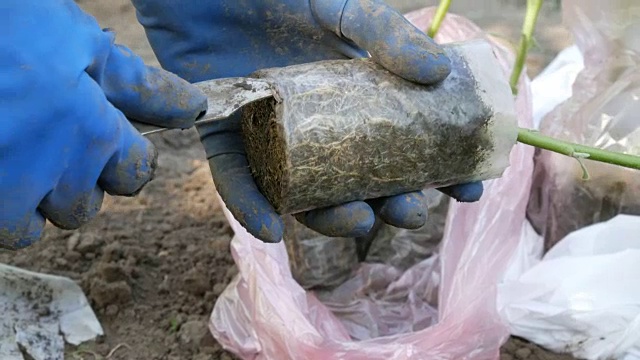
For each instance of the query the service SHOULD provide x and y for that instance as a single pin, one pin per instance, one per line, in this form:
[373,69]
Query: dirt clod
[194,333]
[88,243]
[518,349]
[73,241]
[196,282]
[112,310]
[523,353]
[112,272]
[103,294]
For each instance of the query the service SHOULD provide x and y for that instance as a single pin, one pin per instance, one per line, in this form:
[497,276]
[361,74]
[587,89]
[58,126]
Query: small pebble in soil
[209,350]
[73,241]
[165,227]
[104,294]
[195,282]
[523,353]
[112,272]
[73,256]
[194,333]
[219,288]
[112,310]
[112,252]
[89,243]
[61,262]
[232,271]
[164,288]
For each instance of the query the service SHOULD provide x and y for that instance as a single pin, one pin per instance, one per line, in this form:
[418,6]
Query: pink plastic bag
[265,314]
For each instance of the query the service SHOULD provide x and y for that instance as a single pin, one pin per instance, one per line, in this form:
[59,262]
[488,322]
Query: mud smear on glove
[347,130]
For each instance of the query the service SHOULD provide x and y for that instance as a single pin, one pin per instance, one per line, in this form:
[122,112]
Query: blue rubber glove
[201,40]
[65,89]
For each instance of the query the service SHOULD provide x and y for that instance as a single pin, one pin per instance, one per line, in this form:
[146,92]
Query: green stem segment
[441,12]
[526,41]
[535,138]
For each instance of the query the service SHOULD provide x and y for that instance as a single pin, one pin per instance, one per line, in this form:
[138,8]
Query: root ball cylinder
[346,130]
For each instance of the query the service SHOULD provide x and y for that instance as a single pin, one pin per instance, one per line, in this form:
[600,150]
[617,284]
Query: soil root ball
[345,130]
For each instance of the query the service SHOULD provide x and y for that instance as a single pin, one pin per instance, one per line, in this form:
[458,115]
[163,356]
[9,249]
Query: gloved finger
[68,208]
[470,192]
[407,211]
[240,194]
[16,234]
[117,159]
[352,219]
[143,93]
[391,39]
[132,166]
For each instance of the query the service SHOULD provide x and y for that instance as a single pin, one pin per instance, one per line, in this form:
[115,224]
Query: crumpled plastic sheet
[593,309]
[452,313]
[39,313]
[602,112]
[554,85]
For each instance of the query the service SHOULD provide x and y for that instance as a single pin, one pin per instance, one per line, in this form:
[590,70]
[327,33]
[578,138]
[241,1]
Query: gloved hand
[201,40]
[65,89]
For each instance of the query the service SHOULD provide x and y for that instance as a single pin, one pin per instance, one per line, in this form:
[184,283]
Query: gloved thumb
[392,40]
[146,94]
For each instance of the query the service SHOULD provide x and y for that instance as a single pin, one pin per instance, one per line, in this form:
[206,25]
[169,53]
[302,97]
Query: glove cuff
[329,14]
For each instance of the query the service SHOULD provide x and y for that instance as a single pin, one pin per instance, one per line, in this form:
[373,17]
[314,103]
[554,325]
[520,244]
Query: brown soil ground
[153,266]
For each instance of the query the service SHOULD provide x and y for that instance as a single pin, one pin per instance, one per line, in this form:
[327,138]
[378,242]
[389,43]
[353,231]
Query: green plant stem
[526,41]
[441,12]
[535,138]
